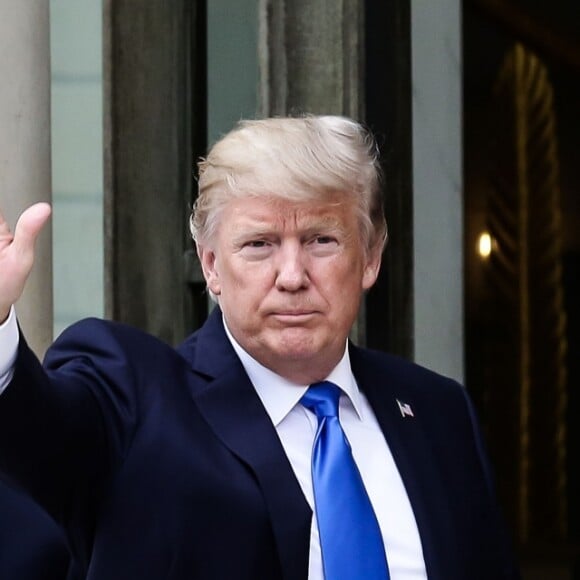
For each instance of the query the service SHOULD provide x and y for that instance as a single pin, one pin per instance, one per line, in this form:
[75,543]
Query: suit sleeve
[31,545]
[64,427]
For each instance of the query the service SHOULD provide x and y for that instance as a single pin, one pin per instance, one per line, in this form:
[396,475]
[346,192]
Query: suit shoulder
[89,328]
[95,337]
[396,364]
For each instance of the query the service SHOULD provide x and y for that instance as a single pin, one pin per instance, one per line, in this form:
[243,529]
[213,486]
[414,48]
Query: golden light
[484,245]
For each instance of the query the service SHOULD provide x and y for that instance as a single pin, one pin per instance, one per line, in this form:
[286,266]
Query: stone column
[150,117]
[25,146]
[310,57]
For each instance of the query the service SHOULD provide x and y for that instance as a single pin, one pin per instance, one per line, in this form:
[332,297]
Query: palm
[17,253]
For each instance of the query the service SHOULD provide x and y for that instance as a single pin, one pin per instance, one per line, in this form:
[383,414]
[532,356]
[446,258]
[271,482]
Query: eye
[256,249]
[256,244]
[323,244]
[324,240]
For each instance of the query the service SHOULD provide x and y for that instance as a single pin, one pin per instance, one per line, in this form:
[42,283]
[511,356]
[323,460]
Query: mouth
[294,316]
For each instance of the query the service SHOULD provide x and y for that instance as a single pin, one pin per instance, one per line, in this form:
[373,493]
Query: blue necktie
[350,538]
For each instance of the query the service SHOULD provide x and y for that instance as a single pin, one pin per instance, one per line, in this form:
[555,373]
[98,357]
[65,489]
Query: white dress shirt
[296,427]
[8,348]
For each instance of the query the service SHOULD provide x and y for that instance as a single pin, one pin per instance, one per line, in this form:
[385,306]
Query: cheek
[245,285]
[255,277]
[342,276]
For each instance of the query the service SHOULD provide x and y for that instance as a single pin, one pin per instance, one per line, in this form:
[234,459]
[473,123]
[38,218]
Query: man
[227,458]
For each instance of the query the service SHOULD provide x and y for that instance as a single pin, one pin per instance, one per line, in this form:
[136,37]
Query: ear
[372,267]
[207,259]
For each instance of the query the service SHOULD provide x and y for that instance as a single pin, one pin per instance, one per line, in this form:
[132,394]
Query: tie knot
[322,399]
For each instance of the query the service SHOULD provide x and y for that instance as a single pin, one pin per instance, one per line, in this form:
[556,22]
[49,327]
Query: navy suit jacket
[163,463]
[31,545]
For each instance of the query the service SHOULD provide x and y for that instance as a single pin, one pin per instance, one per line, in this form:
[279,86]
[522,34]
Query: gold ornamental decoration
[525,295]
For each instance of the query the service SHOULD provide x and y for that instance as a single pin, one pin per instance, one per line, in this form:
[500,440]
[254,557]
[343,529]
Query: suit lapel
[234,411]
[411,449]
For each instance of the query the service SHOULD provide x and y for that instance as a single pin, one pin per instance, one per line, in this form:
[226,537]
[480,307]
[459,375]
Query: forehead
[276,213]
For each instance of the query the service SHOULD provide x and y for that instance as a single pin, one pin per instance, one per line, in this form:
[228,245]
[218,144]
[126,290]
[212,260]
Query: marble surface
[25,147]
[77,160]
[437,184]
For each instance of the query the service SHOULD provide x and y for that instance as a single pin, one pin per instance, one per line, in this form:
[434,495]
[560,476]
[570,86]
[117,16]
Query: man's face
[289,278]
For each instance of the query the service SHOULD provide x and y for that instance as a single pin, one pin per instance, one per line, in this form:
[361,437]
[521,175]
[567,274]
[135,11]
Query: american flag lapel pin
[405,409]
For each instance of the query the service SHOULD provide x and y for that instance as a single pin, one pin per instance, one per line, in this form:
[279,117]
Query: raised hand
[17,254]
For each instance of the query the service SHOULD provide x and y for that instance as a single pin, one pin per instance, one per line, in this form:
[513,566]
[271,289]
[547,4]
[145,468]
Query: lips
[294,316]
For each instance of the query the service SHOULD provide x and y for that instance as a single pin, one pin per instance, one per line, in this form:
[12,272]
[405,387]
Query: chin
[299,346]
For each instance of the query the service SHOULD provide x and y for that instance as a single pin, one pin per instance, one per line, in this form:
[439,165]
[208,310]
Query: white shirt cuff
[9,337]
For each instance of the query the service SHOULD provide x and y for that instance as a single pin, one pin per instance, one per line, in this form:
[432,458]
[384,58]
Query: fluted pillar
[25,175]
[310,57]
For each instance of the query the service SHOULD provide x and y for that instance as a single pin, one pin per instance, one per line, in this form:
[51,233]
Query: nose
[292,271]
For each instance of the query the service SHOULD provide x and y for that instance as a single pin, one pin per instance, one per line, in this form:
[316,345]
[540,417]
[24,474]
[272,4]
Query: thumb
[28,227]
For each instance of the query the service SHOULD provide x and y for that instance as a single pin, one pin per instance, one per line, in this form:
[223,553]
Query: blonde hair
[298,159]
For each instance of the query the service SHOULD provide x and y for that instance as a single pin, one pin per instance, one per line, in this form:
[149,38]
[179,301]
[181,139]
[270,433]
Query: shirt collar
[279,396]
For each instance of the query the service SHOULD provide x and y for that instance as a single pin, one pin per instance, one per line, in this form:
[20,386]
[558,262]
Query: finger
[28,227]
[4,227]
